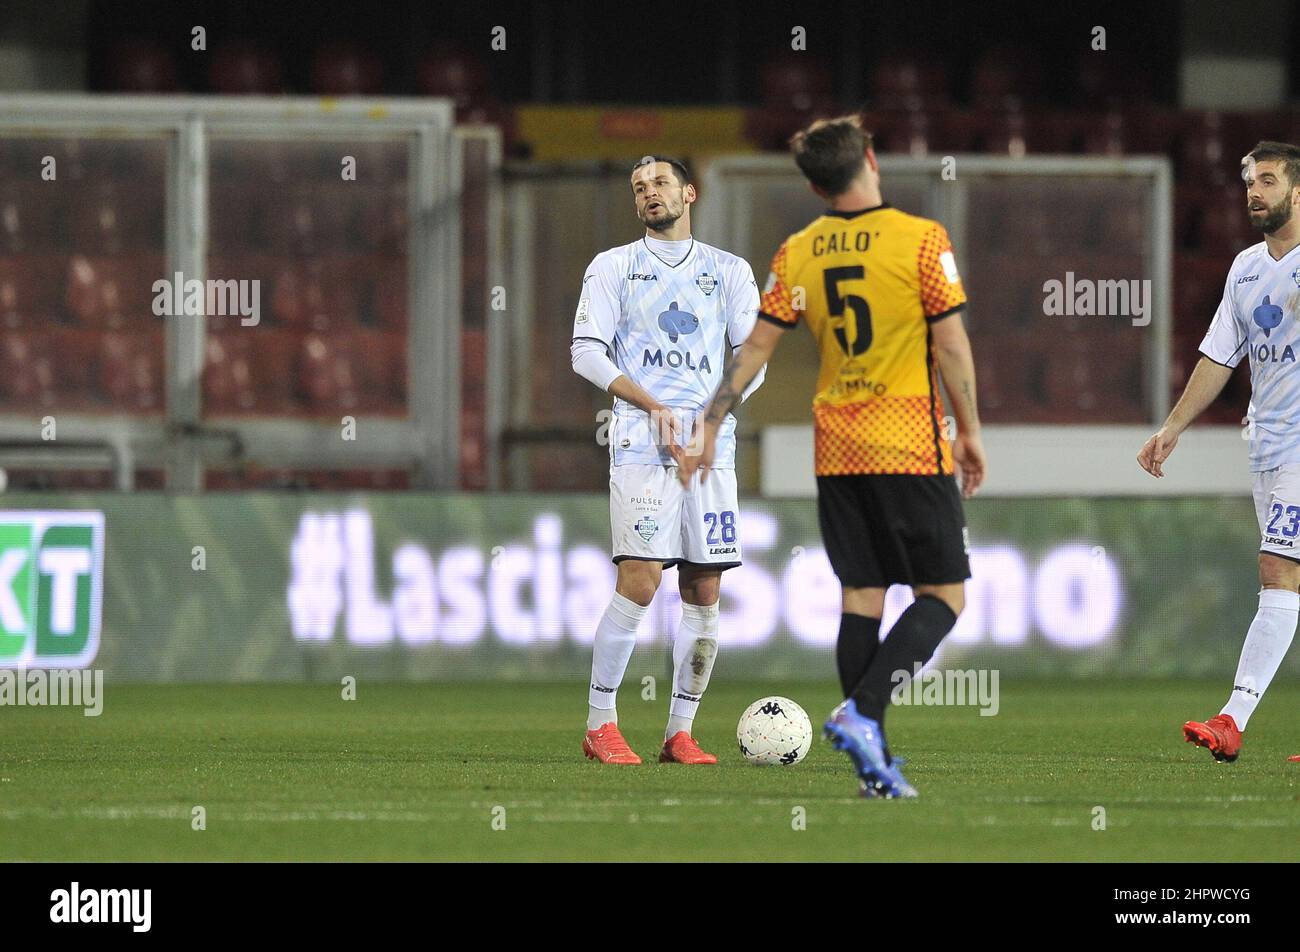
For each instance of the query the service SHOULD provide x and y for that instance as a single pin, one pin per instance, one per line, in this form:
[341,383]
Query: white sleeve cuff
[591,360]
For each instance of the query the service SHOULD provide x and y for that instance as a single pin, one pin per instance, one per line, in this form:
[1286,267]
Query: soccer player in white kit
[1257,317]
[654,323]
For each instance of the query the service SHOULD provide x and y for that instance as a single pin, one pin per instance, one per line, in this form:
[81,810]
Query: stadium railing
[346,213]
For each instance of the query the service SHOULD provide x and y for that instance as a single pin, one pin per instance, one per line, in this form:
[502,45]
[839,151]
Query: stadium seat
[381,355]
[27,377]
[1109,80]
[242,67]
[1198,288]
[228,382]
[30,217]
[130,371]
[1218,221]
[908,82]
[30,290]
[139,65]
[327,378]
[1006,79]
[309,221]
[382,222]
[346,69]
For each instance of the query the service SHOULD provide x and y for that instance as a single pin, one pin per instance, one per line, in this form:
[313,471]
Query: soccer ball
[774,730]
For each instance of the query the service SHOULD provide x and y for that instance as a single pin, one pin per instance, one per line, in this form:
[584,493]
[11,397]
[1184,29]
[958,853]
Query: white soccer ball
[774,730]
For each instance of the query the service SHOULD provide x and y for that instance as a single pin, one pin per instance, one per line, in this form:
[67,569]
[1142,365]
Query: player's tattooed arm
[957,367]
[749,359]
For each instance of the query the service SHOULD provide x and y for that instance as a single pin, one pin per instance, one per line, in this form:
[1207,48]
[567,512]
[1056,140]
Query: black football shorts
[893,529]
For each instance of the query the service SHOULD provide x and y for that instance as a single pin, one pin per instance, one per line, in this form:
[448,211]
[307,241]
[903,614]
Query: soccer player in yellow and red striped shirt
[880,292]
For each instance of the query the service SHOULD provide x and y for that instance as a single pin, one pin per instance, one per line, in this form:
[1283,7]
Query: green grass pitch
[418,772]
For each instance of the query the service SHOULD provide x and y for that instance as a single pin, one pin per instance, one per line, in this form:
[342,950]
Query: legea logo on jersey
[51,588]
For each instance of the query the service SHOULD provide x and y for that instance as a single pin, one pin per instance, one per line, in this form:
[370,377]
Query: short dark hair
[1287,154]
[680,170]
[830,152]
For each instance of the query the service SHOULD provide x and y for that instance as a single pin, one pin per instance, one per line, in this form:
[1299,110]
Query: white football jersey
[1257,317]
[668,328]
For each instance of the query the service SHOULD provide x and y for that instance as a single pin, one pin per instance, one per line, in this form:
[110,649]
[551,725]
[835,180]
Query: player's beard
[1275,217]
[664,220]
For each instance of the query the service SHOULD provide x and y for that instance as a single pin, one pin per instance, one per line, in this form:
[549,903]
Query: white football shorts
[1277,506]
[654,518]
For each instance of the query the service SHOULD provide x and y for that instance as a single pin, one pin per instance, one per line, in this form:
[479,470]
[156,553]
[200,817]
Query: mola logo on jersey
[1267,317]
[677,324]
[51,587]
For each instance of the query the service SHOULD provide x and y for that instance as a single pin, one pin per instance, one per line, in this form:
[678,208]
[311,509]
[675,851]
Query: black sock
[911,641]
[854,648]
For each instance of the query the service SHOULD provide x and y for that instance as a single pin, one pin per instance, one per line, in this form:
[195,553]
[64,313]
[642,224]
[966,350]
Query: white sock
[694,650]
[1267,640]
[615,639]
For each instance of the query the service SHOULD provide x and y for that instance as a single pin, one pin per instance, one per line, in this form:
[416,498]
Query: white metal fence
[240,188]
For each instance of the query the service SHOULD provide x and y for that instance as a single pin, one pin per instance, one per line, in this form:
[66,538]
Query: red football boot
[682,749]
[1219,734]
[607,745]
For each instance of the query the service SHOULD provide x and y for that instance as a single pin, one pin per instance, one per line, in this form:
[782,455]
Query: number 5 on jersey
[853,329]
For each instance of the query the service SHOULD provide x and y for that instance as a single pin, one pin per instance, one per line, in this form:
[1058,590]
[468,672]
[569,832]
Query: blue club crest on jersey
[1295,276]
[706,282]
[1267,316]
[676,323]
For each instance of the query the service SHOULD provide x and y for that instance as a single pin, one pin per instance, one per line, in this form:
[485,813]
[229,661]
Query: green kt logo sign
[51,587]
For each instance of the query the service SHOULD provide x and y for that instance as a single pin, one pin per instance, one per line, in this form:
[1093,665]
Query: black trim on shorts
[935,318]
[711,565]
[667,563]
[1289,558]
[775,320]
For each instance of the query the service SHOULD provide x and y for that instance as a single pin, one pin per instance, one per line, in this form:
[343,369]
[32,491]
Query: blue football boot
[860,738]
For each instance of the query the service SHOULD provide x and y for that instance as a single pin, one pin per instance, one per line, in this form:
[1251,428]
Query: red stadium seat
[1006,79]
[346,69]
[31,217]
[327,380]
[382,356]
[228,382]
[1220,225]
[241,67]
[455,74]
[137,65]
[908,82]
[30,290]
[27,378]
[130,371]
[305,223]
[383,222]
